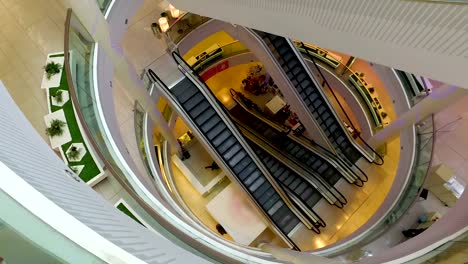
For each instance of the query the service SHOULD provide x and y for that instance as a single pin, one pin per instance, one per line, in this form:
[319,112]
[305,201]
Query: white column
[433,103]
[93,20]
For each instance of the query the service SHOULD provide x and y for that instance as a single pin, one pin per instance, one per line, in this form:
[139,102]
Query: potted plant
[58,96]
[55,128]
[52,68]
[74,169]
[74,153]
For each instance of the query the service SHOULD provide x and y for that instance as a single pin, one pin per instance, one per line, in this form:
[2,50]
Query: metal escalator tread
[291,225]
[307,90]
[231,151]
[284,219]
[215,130]
[200,109]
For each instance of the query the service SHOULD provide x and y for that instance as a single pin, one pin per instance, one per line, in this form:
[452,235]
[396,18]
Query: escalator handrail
[321,185]
[307,146]
[364,153]
[300,202]
[180,110]
[259,116]
[292,136]
[341,164]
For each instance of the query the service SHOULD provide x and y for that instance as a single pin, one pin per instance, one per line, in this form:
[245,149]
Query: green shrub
[55,128]
[73,153]
[58,96]
[74,169]
[52,68]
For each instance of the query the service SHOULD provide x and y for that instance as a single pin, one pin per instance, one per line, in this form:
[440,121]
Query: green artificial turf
[125,210]
[90,169]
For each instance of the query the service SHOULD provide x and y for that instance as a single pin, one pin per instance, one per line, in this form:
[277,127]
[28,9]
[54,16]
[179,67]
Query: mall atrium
[233,131]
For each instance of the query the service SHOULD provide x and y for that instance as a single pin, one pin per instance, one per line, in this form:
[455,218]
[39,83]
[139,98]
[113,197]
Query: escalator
[327,174]
[302,193]
[209,122]
[310,92]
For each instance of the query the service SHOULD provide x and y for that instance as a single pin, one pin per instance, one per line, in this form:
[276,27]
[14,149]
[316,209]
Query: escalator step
[307,193]
[305,84]
[252,177]
[202,107]
[256,184]
[294,183]
[222,137]
[301,187]
[288,57]
[288,180]
[215,131]
[293,222]
[263,190]
[276,208]
[209,124]
[237,158]
[301,77]
[266,195]
[273,201]
[227,145]
[231,151]
[242,169]
[193,101]
[296,71]
[205,117]
[187,95]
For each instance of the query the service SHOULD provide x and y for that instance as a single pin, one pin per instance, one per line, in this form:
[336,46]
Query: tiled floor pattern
[29,30]
[143,49]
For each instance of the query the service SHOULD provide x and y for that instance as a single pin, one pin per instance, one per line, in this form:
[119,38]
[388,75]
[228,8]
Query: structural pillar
[439,99]
[93,20]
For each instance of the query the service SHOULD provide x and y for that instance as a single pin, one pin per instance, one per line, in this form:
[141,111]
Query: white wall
[429,39]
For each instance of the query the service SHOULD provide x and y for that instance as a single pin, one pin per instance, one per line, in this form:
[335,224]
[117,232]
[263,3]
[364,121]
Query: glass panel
[15,248]
[24,238]
[140,129]
[455,251]
[81,49]
[103,5]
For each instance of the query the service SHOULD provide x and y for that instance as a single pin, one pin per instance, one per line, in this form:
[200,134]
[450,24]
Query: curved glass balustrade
[24,238]
[454,251]
[104,5]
